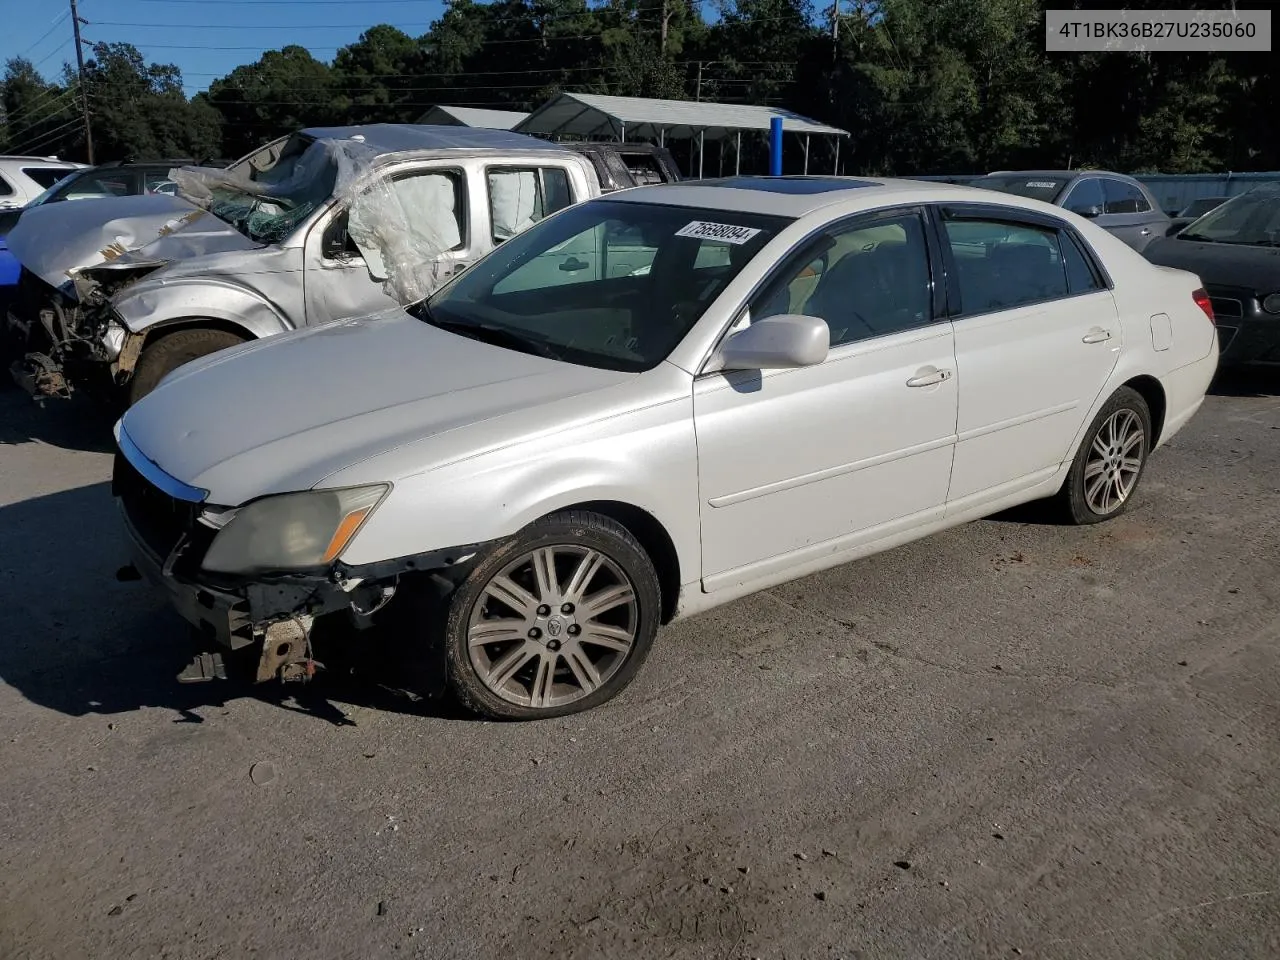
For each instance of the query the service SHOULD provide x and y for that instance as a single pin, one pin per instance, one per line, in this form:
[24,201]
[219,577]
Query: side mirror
[1089,212]
[781,342]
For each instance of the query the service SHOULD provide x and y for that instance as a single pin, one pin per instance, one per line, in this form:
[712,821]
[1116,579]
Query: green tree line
[923,86]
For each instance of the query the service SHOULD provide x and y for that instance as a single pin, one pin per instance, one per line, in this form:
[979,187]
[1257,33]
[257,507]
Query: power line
[262,26]
[58,21]
[201,46]
[56,50]
[321,3]
[17,133]
[45,139]
[44,102]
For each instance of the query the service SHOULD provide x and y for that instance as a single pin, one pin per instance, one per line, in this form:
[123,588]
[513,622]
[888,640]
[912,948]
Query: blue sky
[205,38]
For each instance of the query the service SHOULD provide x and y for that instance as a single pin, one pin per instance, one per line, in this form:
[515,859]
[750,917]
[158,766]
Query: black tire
[569,532]
[1073,499]
[171,351]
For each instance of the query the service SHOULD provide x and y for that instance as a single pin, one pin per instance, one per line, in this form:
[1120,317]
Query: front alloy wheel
[554,622]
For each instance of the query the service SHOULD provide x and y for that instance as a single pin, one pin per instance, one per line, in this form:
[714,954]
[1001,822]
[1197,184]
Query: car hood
[283,413]
[56,239]
[1224,264]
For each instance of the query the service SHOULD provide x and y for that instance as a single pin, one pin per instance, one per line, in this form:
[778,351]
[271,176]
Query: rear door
[1036,337]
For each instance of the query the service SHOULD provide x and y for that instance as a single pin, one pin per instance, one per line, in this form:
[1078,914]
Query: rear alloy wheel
[171,351]
[556,621]
[1110,461]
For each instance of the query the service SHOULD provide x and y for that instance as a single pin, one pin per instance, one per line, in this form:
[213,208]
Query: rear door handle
[928,377]
[1145,231]
[1097,335]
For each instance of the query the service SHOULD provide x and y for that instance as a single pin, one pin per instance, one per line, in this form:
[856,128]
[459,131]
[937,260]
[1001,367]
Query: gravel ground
[1010,739]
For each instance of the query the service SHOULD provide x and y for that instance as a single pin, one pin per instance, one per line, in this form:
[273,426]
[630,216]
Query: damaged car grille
[161,521]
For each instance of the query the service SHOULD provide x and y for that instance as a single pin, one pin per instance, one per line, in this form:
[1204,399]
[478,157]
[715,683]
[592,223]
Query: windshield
[1024,185]
[605,284]
[1198,208]
[266,201]
[1251,218]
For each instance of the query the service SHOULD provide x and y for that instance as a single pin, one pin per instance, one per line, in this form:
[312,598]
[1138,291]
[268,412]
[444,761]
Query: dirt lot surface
[1014,739]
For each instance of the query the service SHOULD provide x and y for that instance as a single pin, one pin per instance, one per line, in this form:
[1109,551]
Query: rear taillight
[1201,297]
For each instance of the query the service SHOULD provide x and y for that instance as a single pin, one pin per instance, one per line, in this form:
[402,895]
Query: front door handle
[928,377]
[1097,335]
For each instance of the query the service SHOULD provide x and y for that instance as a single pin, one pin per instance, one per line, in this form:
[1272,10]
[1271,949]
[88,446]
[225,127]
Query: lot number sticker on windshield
[1041,184]
[724,232]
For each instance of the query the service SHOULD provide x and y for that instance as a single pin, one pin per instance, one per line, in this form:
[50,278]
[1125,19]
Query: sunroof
[795,186]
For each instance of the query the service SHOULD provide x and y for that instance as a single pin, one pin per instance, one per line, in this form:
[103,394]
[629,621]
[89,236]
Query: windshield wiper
[1185,235]
[490,333]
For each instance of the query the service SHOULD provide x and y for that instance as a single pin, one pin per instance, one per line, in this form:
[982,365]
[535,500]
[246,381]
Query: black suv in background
[623,165]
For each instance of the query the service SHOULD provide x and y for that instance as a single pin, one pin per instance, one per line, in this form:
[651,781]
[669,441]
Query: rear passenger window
[1000,266]
[1123,197]
[520,197]
[1080,276]
[5,189]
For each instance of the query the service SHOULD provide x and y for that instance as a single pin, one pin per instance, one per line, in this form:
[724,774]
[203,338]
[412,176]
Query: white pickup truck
[322,225]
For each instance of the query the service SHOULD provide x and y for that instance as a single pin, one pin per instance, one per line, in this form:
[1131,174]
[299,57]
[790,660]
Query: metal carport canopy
[473,117]
[596,115]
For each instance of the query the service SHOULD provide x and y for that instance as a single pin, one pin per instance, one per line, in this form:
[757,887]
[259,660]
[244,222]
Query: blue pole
[775,147]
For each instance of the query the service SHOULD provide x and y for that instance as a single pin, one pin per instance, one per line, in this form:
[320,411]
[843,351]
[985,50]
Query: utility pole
[698,90]
[84,92]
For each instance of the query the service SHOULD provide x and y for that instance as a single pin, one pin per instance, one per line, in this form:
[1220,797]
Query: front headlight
[292,531]
[1271,304]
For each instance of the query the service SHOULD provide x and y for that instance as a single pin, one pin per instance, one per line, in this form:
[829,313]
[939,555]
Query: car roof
[1061,174]
[40,161]
[796,196]
[402,137]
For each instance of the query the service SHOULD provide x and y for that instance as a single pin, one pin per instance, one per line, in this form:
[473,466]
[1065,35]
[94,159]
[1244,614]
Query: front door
[795,464]
[1036,336]
[403,236]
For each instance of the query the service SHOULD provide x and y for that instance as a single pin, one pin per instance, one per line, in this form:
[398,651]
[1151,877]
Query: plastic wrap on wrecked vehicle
[402,226]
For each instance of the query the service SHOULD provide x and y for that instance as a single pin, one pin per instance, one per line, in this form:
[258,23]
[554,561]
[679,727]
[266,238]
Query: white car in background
[22,179]
[556,453]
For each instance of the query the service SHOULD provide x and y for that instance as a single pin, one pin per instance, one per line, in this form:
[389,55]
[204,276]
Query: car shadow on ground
[1246,382]
[80,636]
[83,422]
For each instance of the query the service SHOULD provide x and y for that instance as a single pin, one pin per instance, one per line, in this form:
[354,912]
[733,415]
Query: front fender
[646,460]
[148,305]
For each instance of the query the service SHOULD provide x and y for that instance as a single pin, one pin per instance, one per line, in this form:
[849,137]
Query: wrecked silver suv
[325,224]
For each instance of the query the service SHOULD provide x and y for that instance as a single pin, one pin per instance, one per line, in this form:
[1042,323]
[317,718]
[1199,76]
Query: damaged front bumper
[266,621]
[60,341]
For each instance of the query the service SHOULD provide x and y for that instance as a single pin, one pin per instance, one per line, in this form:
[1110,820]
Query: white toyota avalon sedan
[648,405]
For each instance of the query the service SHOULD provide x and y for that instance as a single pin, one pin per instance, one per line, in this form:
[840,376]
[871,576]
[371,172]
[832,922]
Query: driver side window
[865,280]
[416,215]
